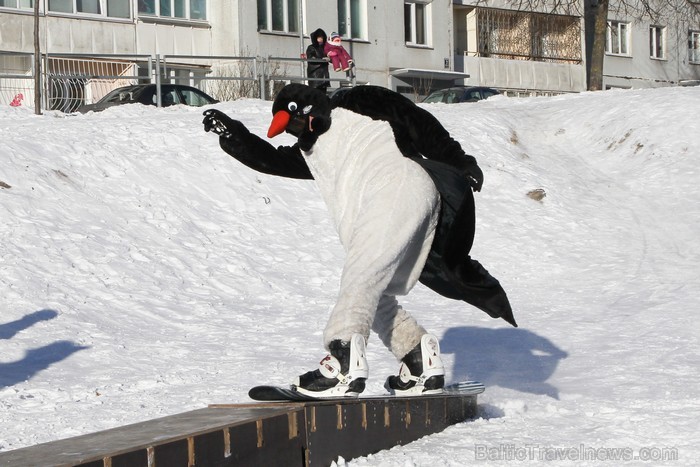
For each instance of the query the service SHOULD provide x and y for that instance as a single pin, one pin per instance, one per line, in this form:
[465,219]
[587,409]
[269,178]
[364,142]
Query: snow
[144,272]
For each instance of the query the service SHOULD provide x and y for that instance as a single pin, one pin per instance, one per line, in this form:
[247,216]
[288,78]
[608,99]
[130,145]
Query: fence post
[255,73]
[45,81]
[151,64]
[262,78]
[158,96]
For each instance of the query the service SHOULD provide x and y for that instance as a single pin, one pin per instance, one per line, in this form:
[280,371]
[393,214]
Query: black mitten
[218,122]
[473,172]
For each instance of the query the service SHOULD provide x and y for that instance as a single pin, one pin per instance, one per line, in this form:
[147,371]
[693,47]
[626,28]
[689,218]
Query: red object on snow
[17,101]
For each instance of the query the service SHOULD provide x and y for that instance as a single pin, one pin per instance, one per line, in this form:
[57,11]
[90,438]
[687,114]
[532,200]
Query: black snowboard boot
[421,371]
[341,374]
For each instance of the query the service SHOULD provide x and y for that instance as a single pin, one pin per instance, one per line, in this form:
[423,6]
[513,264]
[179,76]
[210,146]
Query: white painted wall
[525,75]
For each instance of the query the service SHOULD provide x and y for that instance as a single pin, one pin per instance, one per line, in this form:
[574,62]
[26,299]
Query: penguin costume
[399,189]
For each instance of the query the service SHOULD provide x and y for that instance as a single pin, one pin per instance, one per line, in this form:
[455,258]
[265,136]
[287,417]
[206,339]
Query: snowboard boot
[421,371]
[342,373]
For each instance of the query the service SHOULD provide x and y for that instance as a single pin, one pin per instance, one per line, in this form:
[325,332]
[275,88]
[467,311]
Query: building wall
[61,34]
[232,29]
[639,69]
[158,37]
[85,35]
[382,50]
[511,62]
[225,18]
[524,76]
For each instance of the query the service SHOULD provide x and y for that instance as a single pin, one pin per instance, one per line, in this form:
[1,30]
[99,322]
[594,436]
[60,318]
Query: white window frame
[102,14]
[350,26]
[694,47]
[657,34]
[427,23]
[286,16]
[188,9]
[622,36]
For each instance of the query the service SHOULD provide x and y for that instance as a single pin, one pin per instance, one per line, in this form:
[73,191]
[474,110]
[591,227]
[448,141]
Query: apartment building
[407,45]
[653,51]
[523,52]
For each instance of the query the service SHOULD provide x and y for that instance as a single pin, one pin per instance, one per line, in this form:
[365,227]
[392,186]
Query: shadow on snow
[8,330]
[510,358]
[35,360]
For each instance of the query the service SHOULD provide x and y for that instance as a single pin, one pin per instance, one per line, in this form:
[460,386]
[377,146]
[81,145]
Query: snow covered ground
[143,272]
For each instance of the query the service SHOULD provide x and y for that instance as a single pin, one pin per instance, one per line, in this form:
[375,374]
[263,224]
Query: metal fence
[280,70]
[225,78]
[71,80]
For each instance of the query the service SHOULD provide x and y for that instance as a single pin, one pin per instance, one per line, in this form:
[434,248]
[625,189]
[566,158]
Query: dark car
[461,94]
[171,94]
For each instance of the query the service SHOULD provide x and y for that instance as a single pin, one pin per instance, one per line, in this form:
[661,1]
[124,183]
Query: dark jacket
[315,68]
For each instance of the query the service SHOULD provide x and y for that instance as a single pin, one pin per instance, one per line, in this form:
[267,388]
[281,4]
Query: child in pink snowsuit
[340,58]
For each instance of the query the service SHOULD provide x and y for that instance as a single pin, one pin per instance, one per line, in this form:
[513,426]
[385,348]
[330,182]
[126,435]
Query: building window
[88,6]
[694,46]
[119,9]
[61,6]
[180,9]
[617,41]
[17,4]
[352,19]
[198,9]
[108,8]
[279,15]
[416,20]
[657,39]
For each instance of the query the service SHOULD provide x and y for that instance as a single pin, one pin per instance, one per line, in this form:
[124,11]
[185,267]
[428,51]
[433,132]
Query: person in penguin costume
[399,189]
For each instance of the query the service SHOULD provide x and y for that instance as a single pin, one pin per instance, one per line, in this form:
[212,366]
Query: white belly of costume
[385,206]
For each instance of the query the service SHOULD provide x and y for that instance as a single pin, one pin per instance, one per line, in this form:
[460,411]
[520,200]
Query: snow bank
[144,272]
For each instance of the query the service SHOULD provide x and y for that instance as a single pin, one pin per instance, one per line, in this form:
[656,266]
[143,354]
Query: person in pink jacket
[340,58]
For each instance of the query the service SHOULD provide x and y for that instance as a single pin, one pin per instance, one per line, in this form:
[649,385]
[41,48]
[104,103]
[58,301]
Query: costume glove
[473,172]
[218,122]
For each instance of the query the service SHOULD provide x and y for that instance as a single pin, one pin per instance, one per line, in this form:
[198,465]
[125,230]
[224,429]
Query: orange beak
[279,123]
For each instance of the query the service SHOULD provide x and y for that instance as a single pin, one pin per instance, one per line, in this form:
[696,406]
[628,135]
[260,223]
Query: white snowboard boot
[421,371]
[340,374]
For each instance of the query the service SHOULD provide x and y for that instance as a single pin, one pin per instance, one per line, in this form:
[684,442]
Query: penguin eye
[307,109]
[292,106]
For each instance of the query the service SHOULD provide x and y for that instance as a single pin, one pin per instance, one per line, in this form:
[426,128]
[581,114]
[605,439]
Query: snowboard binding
[421,372]
[342,373]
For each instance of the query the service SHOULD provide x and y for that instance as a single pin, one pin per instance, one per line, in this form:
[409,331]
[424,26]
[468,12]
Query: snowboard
[290,394]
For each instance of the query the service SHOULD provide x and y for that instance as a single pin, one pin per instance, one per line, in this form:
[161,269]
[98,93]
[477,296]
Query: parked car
[171,94]
[461,94]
